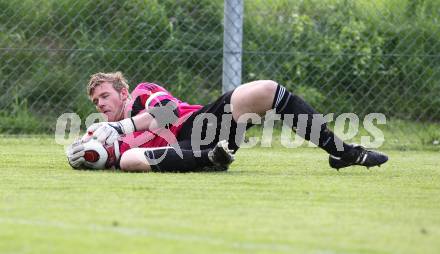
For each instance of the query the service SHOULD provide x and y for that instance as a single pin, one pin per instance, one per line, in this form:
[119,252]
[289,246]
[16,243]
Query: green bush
[363,56]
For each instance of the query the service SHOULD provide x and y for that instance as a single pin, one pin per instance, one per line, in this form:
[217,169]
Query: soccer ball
[99,156]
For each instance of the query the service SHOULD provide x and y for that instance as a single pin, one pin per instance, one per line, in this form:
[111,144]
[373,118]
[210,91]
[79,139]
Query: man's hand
[75,154]
[109,132]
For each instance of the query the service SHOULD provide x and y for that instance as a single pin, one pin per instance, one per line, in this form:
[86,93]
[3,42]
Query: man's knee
[134,160]
[254,97]
[259,86]
[266,87]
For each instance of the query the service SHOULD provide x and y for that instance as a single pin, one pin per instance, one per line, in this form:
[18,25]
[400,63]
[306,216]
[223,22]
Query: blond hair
[115,78]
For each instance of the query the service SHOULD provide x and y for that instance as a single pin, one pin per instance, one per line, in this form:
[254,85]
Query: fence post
[232,44]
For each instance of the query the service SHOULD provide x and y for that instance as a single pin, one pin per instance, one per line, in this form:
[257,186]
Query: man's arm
[145,122]
[109,132]
[153,120]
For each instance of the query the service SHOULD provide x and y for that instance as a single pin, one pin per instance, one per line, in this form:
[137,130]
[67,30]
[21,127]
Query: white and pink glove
[75,154]
[109,132]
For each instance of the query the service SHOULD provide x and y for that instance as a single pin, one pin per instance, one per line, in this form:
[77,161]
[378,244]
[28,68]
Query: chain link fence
[341,55]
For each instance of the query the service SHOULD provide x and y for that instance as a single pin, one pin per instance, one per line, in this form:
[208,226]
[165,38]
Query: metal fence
[341,55]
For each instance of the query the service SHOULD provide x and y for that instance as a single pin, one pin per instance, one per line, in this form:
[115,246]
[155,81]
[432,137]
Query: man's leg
[263,95]
[168,159]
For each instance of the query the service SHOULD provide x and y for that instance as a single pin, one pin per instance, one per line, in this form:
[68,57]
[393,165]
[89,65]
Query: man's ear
[124,93]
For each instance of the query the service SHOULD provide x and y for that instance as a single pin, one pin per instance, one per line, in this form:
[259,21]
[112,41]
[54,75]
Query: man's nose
[100,104]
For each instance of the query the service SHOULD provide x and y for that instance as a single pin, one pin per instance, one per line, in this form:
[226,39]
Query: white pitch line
[130,231]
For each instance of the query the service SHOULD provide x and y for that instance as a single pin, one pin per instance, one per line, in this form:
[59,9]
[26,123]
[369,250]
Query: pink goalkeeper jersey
[148,95]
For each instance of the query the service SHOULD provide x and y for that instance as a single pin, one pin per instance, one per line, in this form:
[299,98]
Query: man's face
[110,102]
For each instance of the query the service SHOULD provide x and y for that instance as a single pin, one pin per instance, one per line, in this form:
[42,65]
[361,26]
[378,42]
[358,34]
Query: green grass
[271,201]
[398,135]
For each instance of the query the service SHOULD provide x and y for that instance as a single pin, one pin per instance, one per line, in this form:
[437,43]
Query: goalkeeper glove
[75,154]
[109,132]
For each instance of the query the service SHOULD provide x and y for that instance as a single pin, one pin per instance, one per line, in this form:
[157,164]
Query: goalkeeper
[153,118]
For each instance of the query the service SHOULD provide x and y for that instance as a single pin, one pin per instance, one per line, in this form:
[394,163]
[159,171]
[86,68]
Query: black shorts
[225,127]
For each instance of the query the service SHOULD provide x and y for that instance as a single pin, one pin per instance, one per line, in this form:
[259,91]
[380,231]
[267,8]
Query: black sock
[288,103]
[167,159]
